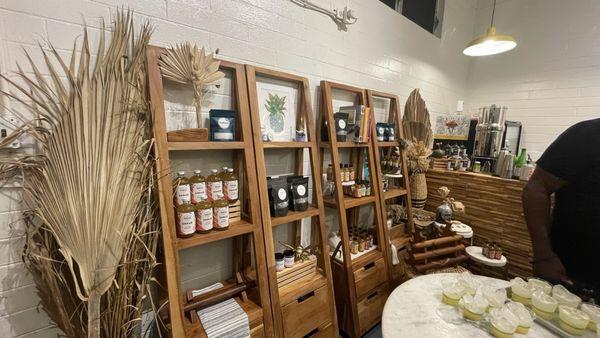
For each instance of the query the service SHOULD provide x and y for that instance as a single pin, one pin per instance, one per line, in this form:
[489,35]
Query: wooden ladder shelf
[247,287]
[304,306]
[361,283]
[399,193]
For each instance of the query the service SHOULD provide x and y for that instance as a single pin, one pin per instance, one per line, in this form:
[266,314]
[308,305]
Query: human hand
[550,269]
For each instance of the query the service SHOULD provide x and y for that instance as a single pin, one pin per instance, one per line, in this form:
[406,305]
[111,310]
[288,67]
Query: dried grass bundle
[92,226]
[188,64]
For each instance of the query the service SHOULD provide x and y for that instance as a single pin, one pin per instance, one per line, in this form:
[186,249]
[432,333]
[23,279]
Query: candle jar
[288,258]
[361,244]
[354,247]
[279,264]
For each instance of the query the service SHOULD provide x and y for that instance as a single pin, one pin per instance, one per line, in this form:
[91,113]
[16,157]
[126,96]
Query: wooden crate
[298,271]
[235,211]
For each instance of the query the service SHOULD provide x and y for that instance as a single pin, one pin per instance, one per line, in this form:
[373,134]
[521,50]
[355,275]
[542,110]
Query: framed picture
[453,126]
[278,110]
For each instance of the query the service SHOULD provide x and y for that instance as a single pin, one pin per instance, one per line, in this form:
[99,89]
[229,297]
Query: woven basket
[418,190]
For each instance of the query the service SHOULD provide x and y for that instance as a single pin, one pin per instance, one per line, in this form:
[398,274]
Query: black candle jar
[298,189]
[278,196]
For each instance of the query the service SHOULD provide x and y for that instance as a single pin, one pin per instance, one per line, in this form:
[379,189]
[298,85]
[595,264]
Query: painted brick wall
[552,79]
[383,51]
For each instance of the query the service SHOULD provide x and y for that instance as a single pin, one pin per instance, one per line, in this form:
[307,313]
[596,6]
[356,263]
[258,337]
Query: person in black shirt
[566,240]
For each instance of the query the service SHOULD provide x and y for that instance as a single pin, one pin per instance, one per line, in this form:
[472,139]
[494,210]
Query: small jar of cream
[279,265]
[288,258]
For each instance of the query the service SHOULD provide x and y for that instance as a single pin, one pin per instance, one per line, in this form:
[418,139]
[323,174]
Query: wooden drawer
[257,331]
[324,331]
[370,308]
[369,276]
[307,313]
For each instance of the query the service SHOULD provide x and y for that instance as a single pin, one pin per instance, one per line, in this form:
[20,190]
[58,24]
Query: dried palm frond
[88,187]
[188,64]
[415,121]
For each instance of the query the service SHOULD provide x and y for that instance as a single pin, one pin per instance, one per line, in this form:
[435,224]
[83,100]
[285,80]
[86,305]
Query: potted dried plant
[91,224]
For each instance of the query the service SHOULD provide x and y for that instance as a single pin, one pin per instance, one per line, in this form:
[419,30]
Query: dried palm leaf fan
[188,64]
[417,129]
[92,224]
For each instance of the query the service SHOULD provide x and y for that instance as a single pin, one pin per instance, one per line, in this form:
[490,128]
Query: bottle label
[282,194]
[187,222]
[301,190]
[221,217]
[198,192]
[231,190]
[204,220]
[214,190]
[182,193]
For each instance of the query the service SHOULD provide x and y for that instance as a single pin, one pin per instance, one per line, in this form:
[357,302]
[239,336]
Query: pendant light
[490,43]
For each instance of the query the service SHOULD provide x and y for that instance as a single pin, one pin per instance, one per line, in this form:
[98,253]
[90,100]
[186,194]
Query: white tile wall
[551,80]
[383,51]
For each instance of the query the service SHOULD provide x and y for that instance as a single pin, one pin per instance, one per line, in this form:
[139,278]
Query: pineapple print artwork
[275,105]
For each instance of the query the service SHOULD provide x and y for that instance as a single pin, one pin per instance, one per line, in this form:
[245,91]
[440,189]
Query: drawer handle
[311,333]
[306,296]
[373,295]
[369,266]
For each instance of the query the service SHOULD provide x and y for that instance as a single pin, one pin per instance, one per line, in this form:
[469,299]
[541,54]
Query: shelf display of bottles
[202,204]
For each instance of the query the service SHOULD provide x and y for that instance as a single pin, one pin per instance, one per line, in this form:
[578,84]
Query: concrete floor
[375,332]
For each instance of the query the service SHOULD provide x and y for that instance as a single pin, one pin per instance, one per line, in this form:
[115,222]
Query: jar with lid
[181,185]
[198,187]
[351,173]
[186,219]
[220,213]
[214,185]
[223,173]
[230,186]
[329,173]
[354,246]
[204,217]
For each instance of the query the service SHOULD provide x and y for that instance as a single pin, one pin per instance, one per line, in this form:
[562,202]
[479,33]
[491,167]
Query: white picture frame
[279,126]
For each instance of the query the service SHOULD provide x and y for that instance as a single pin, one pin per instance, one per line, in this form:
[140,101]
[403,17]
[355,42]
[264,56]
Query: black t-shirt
[575,233]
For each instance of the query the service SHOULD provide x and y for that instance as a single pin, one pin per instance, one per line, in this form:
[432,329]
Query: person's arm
[536,205]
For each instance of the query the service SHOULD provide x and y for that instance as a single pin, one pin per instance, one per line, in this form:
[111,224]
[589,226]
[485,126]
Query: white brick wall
[552,79]
[383,51]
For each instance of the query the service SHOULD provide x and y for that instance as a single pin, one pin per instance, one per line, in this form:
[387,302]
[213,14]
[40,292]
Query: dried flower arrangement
[188,64]
[91,225]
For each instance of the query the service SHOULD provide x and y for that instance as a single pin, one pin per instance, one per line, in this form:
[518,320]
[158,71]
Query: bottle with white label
[181,187]
[204,217]
[220,213]
[198,187]
[230,186]
[186,219]
[214,185]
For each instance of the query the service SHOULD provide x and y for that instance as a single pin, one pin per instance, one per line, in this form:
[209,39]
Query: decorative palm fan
[188,64]
[415,122]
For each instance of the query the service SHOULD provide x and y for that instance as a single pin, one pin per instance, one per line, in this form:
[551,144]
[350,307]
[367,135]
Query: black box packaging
[298,191]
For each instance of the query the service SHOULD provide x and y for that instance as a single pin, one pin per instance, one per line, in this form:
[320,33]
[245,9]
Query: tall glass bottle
[214,185]
[198,187]
[186,219]
[204,217]
[220,213]
[181,187]
[230,186]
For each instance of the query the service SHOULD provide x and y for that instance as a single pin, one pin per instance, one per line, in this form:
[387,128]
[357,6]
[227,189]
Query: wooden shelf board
[235,229]
[285,145]
[388,144]
[349,202]
[394,192]
[299,288]
[254,312]
[205,145]
[348,144]
[400,242]
[295,216]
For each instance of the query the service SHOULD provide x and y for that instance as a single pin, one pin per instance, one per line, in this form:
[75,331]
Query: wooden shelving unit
[398,194]
[306,306]
[361,284]
[246,233]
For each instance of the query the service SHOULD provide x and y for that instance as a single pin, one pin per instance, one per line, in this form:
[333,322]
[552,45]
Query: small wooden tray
[188,135]
[298,271]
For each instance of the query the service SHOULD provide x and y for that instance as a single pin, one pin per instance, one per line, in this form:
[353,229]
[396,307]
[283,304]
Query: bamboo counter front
[493,208]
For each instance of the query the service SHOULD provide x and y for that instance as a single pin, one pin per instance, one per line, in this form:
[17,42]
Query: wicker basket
[418,182]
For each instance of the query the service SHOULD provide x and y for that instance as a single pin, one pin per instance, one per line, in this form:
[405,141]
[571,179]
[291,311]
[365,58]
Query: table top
[415,309]
[475,253]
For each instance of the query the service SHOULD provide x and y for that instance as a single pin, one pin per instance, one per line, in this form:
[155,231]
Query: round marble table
[415,309]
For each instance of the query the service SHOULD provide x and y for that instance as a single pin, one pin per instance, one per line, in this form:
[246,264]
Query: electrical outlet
[8,124]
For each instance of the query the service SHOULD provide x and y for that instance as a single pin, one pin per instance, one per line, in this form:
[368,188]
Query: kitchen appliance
[489,131]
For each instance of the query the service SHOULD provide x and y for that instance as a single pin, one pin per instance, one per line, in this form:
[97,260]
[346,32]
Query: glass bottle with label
[223,173]
[182,192]
[198,187]
[230,186]
[329,173]
[214,185]
[204,217]
[220,213]
[186,219]
[351,173]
